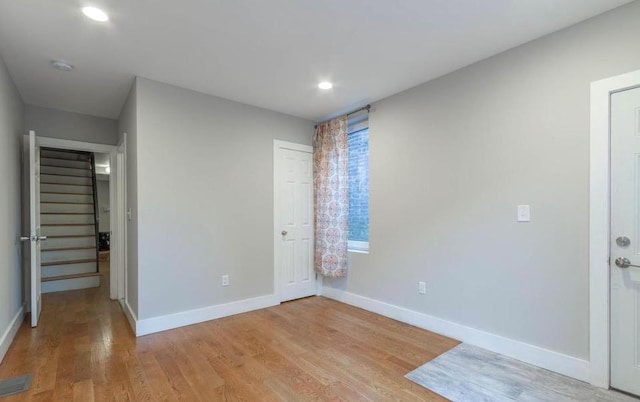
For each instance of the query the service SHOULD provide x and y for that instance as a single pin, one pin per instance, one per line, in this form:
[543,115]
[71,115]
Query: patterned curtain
[331,197]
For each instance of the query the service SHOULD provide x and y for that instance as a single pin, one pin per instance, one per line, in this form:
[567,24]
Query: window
[358,141]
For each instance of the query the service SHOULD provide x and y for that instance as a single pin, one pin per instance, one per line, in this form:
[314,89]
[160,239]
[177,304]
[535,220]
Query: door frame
[277,275]
[117,219]
[600,222]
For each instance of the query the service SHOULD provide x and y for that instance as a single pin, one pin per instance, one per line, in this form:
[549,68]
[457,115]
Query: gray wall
[11,130]
[451,159]
[128,123]
[103,202]
[205,195]
[71,126]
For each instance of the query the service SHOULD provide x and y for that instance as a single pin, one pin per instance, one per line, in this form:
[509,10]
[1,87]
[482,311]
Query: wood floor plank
[310,349]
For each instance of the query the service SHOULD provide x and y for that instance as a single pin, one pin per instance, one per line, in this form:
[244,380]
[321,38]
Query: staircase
[68,217]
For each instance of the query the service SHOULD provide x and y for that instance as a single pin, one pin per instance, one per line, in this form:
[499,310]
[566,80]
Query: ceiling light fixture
[61,65]
[325,85]
[95,14]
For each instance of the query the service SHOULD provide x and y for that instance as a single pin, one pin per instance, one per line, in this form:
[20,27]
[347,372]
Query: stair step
[69,242]
[65,175]
[68,248]
[66,198]
[68,224]
[67,218]
[69,236]
[80,230]
[66,184]
[56,170]
[63,179]
[59,162]
[66,213]
[46,264]
[66,189]
[66,203]
[64,154]
[53,256]
[73,276]
[66,167]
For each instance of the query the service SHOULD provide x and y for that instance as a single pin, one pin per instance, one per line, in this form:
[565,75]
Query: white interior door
[33,237]
[293,180]
[625,241]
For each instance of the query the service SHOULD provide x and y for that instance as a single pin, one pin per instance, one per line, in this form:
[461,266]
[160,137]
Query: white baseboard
[547,359]
[128,311]
[10,333]
[156,324]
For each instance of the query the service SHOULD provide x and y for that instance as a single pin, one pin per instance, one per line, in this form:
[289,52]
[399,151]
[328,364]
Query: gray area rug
[468,373]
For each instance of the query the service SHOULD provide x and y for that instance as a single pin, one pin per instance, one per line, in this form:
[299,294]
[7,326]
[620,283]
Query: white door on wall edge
[31,230]
[625,241]
[293,221]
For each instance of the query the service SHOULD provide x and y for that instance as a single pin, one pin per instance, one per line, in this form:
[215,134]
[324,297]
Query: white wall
[11,131]
[103,202]
[128,123]
[451,160]
[71,126]
[205,197]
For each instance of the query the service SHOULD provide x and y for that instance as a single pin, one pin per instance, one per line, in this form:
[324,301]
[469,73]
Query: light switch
[524,213]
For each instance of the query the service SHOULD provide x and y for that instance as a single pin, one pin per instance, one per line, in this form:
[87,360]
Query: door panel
[625,241]
[294,222]
[34,236]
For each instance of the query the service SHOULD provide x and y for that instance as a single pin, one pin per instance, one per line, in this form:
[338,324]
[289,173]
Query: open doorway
[70,219]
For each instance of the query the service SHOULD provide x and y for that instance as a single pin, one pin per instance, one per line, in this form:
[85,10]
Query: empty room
[334,200]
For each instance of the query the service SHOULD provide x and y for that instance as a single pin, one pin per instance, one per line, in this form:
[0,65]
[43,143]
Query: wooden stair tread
[66,184]
[66,203]
[68,248]
[68,262]
[68,236]
[63,175]
[66,213]
[73,276]
[55,192]
[65,167]
[68,224]
[63,159]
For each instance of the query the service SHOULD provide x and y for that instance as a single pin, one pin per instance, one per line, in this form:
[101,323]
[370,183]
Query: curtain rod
[367,108]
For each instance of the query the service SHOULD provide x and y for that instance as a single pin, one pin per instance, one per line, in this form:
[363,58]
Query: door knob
[284,233]
[623,262]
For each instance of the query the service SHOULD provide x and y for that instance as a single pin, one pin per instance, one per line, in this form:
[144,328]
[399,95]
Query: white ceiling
[265,53]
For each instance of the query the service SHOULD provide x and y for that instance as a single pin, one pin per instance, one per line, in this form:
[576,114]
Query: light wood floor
[310,349]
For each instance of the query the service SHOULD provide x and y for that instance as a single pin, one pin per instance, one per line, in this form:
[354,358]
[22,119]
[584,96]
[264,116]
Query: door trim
[600,222]
[277,275]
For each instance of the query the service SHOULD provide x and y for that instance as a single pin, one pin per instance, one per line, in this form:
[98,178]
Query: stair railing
[96,219]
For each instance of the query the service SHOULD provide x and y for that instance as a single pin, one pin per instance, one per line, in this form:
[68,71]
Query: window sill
[360,247]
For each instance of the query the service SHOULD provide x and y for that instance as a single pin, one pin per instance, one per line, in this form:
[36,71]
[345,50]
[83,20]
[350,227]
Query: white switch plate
[225,280]
[524,213]
[422,288]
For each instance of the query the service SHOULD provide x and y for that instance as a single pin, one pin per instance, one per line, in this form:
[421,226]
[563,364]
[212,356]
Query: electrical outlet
[225,280]
[422,288]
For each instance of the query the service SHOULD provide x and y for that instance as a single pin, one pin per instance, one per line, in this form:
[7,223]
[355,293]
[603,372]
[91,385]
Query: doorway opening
[69,190]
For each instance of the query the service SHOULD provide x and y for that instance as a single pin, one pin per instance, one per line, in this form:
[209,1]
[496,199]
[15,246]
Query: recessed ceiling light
[95,14]
[61,65]
[325,85]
